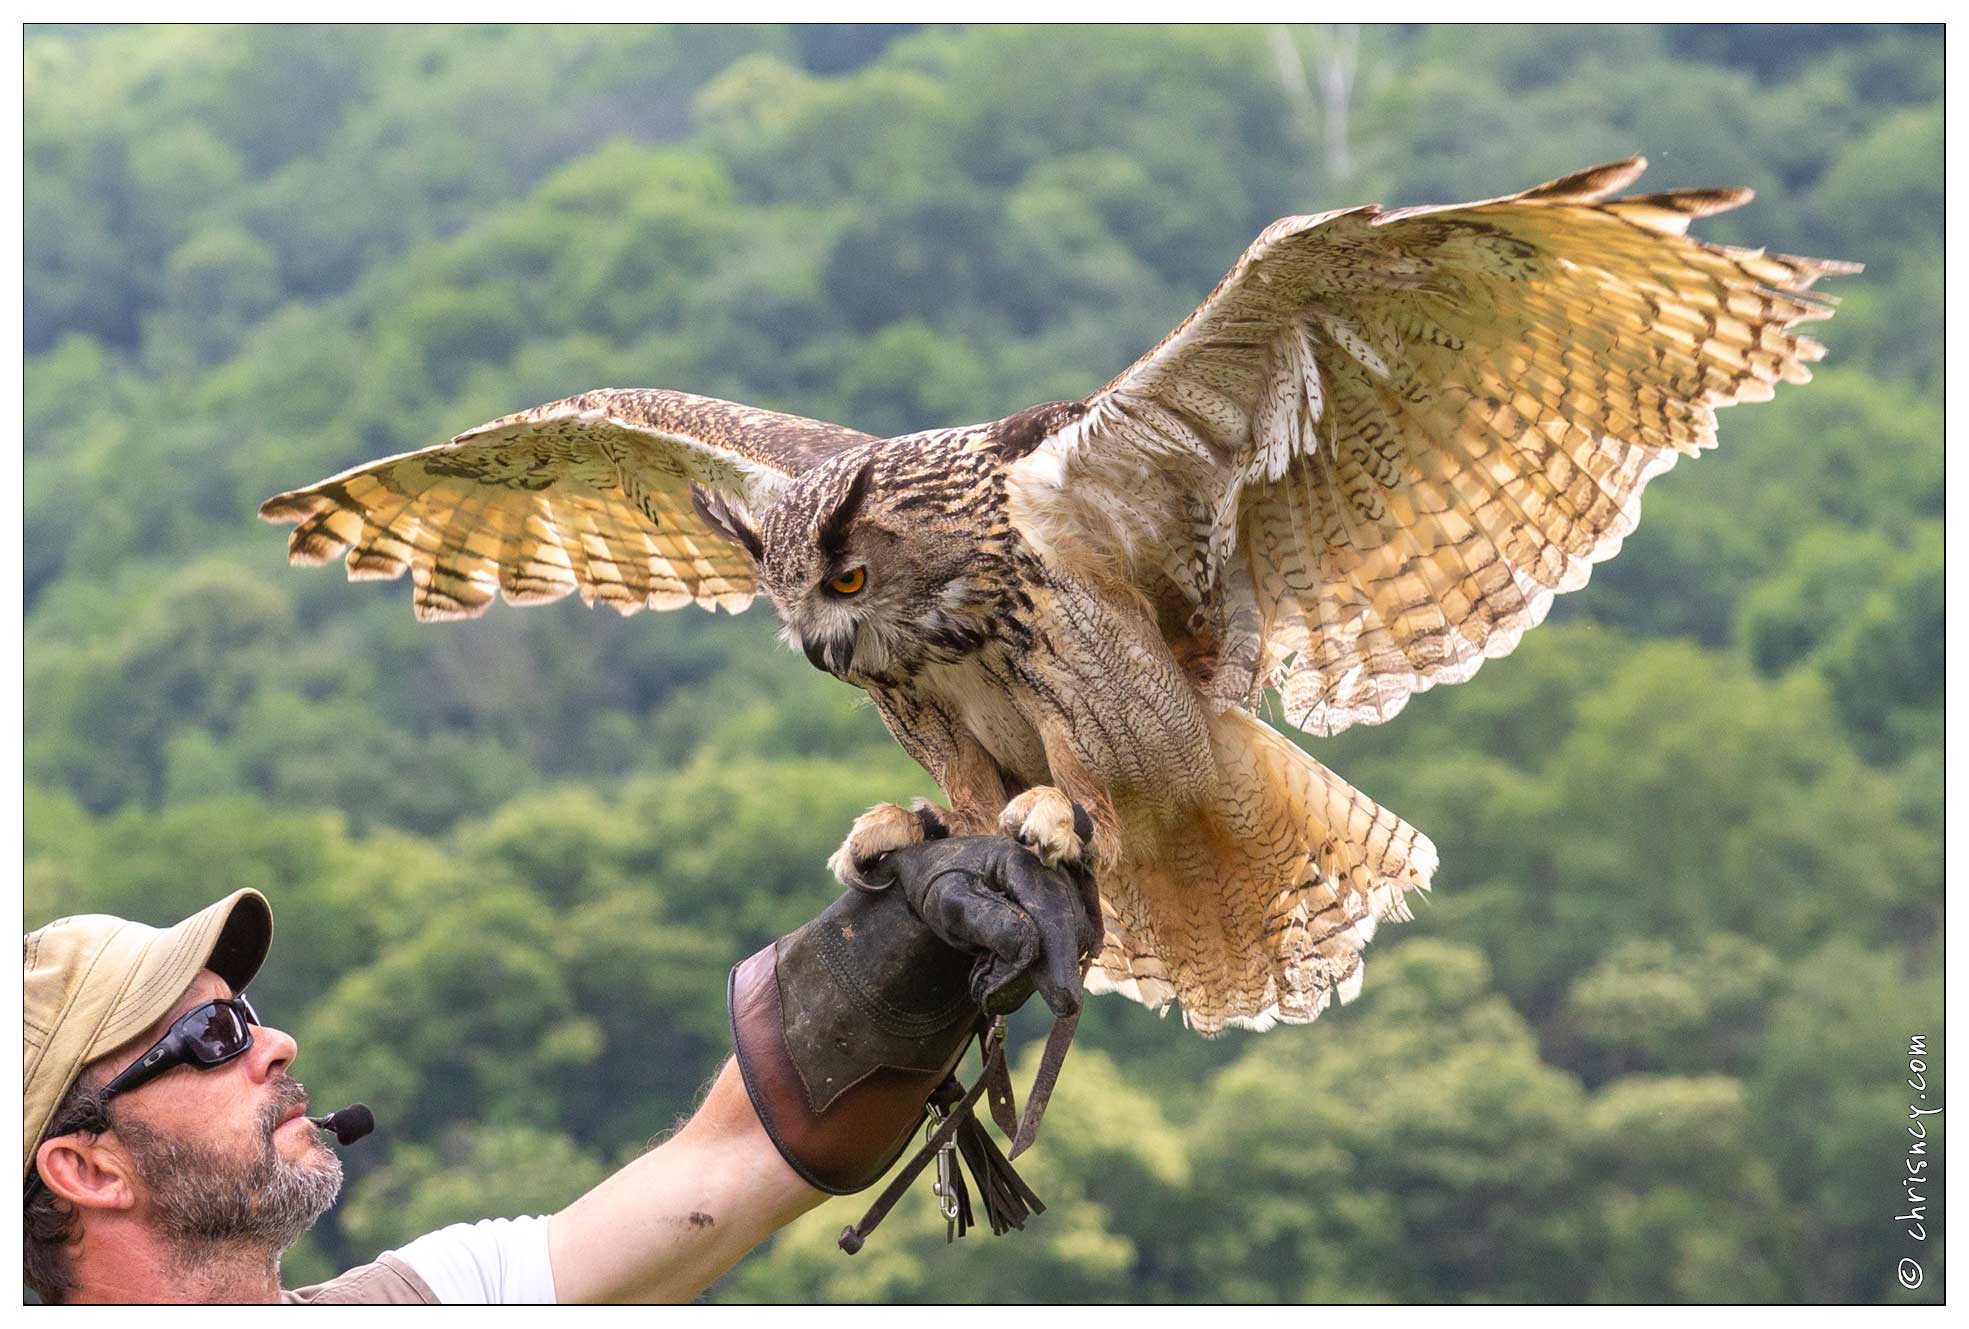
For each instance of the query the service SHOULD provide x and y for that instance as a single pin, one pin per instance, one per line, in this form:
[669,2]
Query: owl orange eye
[849,582]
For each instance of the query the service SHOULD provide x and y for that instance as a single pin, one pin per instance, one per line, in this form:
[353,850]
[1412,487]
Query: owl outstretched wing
[637,498]
[1387,439]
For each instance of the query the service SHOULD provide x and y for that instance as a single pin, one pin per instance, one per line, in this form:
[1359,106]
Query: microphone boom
[350,1124]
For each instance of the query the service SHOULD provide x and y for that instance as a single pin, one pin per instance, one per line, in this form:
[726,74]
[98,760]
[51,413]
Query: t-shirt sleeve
[501,1261]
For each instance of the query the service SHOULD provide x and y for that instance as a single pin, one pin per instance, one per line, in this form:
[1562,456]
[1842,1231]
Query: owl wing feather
[590,494]
[1397,435]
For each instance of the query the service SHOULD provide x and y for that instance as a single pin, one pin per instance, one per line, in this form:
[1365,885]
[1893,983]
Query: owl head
[861,588]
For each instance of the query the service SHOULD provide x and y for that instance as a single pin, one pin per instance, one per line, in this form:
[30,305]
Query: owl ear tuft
[720,514]
[833,532]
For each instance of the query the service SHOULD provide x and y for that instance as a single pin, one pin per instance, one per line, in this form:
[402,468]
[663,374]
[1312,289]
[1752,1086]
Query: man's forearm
[667,1225]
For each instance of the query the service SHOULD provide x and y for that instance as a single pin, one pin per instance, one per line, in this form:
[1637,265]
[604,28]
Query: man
[169,1157]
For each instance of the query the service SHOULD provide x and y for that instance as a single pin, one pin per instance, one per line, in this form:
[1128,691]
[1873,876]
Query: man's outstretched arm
[667,1225]
[843,1028]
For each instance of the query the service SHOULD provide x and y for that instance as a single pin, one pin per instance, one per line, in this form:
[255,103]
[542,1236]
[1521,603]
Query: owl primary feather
[1363,466]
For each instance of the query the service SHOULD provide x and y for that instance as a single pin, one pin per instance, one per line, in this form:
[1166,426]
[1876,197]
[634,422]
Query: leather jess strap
[1007,1199]
[1043,1081]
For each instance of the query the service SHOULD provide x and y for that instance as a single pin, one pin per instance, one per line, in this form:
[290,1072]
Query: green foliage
[1793,613]
[1681,1206]
[1642,1044]
[1416,1150]
[1651,1007]
[1885,664]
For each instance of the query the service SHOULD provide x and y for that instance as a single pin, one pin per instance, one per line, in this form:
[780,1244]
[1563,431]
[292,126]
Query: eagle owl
[1363,466]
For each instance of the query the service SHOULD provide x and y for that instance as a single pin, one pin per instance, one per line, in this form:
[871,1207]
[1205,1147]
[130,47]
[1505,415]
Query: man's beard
[206,1196]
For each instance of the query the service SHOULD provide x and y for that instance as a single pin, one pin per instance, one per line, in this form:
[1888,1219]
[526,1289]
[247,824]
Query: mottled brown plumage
[1364,465]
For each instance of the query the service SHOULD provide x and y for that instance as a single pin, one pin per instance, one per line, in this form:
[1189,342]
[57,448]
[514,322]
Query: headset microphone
[350,1124]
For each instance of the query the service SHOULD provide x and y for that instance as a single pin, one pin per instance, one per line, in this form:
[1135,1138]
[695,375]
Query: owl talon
[1046,821]
[875,832]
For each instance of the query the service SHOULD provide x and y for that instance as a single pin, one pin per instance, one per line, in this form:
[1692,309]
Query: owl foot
[1050,824]
[878,830]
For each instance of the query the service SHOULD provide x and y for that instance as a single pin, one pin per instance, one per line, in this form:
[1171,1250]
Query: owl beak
[830,655]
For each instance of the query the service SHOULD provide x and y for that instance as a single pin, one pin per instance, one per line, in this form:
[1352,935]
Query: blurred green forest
[1646,1040]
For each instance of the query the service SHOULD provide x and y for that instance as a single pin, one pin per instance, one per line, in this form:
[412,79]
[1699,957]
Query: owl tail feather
[1261,907]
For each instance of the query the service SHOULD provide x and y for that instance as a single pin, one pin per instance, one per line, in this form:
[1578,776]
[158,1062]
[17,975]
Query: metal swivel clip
[944,1186]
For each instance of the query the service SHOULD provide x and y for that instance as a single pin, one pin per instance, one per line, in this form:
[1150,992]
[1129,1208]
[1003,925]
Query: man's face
[225,1155]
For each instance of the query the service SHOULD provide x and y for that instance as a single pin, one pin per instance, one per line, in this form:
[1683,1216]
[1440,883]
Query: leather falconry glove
[847,1029]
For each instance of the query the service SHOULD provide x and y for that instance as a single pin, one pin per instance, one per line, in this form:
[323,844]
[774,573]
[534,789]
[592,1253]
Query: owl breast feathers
[1364,465]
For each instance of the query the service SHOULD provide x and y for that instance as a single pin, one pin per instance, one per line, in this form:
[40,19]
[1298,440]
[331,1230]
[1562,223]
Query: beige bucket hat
[94,982]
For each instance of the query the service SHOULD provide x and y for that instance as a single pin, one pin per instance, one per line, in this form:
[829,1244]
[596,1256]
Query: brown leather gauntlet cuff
[843,1030]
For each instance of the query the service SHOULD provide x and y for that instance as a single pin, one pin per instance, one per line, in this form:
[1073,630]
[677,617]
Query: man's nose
[272,1050]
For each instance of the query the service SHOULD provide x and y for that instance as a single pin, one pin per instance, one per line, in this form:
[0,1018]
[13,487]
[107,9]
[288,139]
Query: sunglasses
[205,1036]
